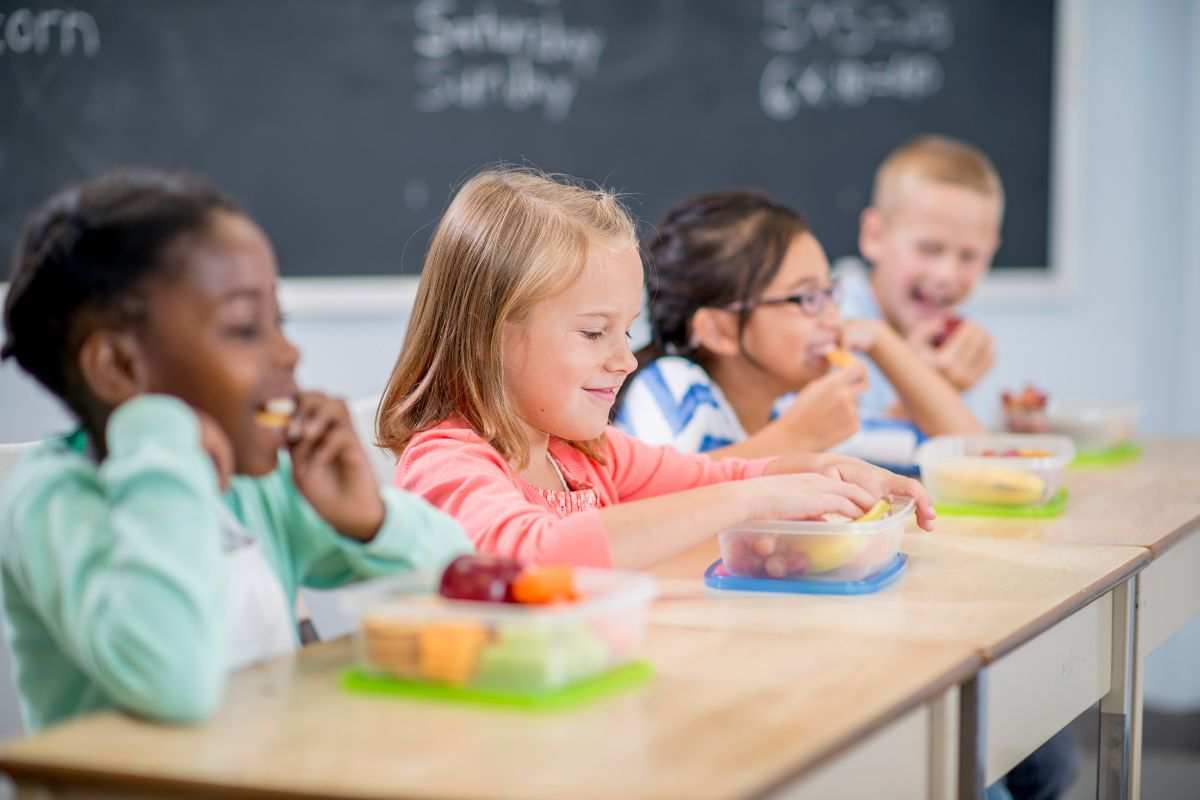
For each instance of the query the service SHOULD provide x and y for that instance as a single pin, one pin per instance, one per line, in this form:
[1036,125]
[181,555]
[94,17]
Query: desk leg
[943,746]
[1120,709]
[972,737]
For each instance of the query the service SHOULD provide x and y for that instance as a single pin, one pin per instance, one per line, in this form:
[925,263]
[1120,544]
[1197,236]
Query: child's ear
[870,234]
[113,366]
[716,331]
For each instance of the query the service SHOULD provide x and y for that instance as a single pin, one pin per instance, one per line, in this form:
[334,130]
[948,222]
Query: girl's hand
[881,483]
[217,445]
[805,495]
[825,411]
[331,468]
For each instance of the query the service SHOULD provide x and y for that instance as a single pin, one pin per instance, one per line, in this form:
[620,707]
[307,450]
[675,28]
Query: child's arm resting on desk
[470,481]
[934,405]
[125,565]
[671,501]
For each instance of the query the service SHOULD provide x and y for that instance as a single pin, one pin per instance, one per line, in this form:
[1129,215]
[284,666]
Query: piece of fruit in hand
[948,327]
[878,511]
[483,578]
[840,358]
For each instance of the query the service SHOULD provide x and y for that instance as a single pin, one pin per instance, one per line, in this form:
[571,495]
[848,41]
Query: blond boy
[928,236]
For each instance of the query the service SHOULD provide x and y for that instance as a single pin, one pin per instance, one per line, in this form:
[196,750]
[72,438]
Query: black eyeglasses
[811,302]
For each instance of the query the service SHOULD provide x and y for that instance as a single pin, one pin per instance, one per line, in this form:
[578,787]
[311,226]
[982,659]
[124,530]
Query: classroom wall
[1115,335]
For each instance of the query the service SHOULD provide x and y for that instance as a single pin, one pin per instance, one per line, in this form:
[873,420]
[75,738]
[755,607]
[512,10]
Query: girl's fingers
[316,417]
[836,504]
[852,491]
[907,487]
[332,446]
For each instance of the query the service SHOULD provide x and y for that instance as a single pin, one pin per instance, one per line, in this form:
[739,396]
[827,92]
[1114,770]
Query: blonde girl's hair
[510,238]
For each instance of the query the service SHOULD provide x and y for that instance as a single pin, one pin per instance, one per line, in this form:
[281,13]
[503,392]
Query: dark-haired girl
[744,319]
[161,544]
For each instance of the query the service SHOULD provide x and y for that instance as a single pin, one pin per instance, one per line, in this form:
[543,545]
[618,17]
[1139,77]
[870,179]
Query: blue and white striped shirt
[673,401]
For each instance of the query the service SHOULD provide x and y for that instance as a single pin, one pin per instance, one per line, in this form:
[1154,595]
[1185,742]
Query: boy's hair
[937,159]
[82,261]
[713,251]
[510,238]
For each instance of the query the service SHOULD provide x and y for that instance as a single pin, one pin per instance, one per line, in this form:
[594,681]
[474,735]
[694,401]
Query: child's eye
[592,336]
[249,332]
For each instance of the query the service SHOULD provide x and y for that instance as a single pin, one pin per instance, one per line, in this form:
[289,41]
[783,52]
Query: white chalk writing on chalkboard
[25,31]
[850,52]
[477,58]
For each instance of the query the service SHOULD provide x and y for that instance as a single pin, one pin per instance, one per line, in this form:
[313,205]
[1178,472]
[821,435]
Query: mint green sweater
[113,574]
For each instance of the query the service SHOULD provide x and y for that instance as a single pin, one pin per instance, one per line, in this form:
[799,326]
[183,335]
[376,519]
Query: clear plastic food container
[1094,428]
[500,646]
[994,470]
[841,550]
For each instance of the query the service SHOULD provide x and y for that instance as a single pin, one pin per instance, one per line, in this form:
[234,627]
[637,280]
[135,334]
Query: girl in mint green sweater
[161,544]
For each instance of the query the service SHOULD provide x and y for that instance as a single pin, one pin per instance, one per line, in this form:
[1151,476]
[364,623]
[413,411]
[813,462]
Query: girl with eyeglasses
[744,323]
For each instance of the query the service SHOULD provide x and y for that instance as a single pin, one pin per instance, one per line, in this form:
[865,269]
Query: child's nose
[623,359]
[287,355]
[945,268]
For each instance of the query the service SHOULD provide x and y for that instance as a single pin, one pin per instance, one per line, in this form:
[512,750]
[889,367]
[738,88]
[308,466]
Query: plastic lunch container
[818,550]
[500,646]
[983,470]
[1094,428]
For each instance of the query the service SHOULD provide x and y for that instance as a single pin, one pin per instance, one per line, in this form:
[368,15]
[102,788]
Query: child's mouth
[276,413]
[931,302]
[607,396]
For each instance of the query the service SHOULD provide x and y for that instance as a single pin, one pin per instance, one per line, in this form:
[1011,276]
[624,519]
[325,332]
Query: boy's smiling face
[213,338]
[928,249]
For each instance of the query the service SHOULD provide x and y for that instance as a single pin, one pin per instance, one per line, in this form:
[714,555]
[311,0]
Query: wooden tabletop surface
[970,591]
[750,691]
[1152,502]
[728,713]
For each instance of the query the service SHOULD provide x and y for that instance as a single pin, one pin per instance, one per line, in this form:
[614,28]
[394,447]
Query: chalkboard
[344,125]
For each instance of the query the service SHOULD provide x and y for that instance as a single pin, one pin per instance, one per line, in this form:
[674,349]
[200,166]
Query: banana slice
[878,511]
[990,485]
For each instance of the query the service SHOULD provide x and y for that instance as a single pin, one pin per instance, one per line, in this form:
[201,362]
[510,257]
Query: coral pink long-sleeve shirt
[458,472]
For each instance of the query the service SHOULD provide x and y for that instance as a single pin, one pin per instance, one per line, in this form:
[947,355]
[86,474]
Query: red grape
[484,578]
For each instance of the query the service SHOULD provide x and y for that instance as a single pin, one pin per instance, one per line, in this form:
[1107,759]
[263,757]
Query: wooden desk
[786,696]
[1153,503]
[729,714]
[1042,614]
